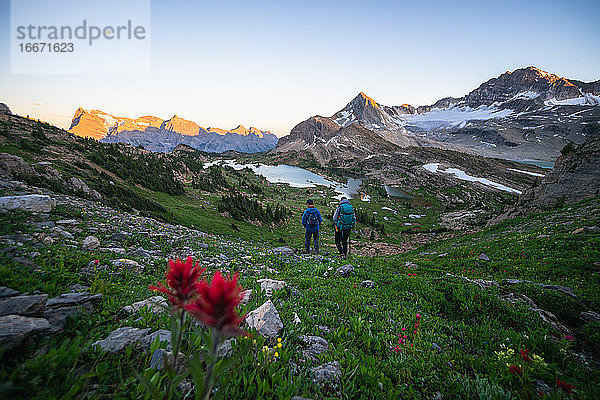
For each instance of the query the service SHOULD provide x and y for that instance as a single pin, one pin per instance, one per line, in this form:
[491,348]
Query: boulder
[345,270]
[484,257]
[73,299]
[163,335]
[283,250]
[128,265]
[367,284]
[77,185]
[589,316]
[155,305]
[266,320]
[315,345]
[24,305]
[7,292]
[269,285]
[14,329]
[330,372]
[120,338]
[57,317]
[30,202]
[13,167]
[90,243]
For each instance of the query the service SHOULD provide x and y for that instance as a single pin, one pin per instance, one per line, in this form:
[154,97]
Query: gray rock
[315,345]
[120,338]
[128,265]
[266,320]
[163,336]
[300,398]
[67,222]
[542,387]
[330,372]
[30,202]
[155,304]
[226,348]
[563,289]
[119,236]
[345,270]
[90,243]
[57,317]
[16,328]
[78,185]
[283,250]
[162,358]
[32,306]
[484,257]
[368,284]
[141,253]
[7,292]
[546,316]
[270,285]
[589,316]
[78,288]
[73,299]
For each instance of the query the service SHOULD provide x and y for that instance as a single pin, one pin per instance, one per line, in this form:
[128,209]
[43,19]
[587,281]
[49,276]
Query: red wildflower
[565,386]
[418,316]
[182,280]
[525,355]
[515,370]
[216,304]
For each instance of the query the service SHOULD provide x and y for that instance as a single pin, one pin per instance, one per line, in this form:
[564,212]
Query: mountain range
[524,114]
[156,134]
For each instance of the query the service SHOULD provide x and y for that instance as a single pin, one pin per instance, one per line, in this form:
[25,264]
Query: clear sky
[274,64]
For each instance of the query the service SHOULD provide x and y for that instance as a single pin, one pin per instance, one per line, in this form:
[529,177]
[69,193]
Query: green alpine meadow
[330,200]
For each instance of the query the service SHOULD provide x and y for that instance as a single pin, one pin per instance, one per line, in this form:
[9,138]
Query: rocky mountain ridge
[524,114]
[160,135]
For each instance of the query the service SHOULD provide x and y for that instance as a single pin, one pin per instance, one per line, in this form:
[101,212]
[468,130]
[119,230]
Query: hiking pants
[341,240]
[308,236]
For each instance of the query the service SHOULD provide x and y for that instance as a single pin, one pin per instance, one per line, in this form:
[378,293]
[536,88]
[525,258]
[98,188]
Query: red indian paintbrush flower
[216,304]
[182,280]
[525,355]
[515,370]
[565,386]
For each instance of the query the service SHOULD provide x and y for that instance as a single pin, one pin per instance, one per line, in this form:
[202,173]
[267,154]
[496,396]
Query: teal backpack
[346,218]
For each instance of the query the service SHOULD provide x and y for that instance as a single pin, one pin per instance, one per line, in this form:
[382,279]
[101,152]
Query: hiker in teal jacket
[344,220]
[311,220]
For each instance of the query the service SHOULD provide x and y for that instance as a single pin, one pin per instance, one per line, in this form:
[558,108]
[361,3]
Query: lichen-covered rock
[155,304]
[33,306]
[14,329]
[270,285]
[330,372]
[120,338]
[90,243]
[29,202]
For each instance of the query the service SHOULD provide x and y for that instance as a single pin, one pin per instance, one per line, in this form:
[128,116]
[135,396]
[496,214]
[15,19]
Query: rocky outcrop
[4,109]
[575,177]
[29,202]
[23,316]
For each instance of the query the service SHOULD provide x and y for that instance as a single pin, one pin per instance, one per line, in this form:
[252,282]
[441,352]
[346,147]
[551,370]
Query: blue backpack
[346,218]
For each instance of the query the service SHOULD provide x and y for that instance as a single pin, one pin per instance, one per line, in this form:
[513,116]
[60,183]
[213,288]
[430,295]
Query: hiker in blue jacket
[344,219]
[311,219]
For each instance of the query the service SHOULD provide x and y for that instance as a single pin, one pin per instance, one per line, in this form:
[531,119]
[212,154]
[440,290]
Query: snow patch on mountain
[586,100]
[462,175]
